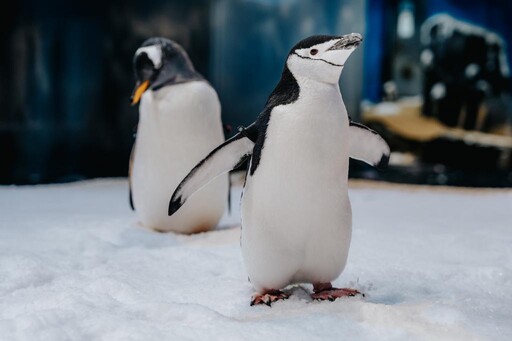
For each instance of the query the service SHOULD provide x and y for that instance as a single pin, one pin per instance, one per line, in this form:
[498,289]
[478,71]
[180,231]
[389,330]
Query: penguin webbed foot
[269,297]
[323,292]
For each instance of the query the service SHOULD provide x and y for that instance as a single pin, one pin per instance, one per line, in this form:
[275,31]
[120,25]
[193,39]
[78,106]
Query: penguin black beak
[139,89]
[347,42]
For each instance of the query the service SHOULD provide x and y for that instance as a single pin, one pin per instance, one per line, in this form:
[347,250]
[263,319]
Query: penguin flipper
[368,146]
[222,159]
[130,198]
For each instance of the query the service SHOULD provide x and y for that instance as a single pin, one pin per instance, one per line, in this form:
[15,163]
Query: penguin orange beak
[138,91]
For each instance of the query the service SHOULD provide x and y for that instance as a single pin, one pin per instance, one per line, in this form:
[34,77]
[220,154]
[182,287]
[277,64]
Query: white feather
[366,145]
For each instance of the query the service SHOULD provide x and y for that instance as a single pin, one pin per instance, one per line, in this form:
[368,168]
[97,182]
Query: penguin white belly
[178,126]
[296,215]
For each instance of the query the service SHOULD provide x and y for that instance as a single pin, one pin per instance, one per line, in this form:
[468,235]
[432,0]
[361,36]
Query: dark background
[66,73]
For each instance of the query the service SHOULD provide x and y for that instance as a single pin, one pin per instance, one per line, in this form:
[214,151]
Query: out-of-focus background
[433,77]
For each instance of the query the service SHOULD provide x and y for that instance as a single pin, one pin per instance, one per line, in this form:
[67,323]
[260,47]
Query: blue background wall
[66,74]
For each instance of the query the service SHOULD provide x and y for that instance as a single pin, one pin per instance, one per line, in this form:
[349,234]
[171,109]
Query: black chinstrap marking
[322,60]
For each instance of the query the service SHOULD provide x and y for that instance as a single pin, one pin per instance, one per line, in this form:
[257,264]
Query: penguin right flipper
[130,166]
[368,146]
[222,159]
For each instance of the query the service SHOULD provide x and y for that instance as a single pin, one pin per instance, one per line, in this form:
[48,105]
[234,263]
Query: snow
[75,265]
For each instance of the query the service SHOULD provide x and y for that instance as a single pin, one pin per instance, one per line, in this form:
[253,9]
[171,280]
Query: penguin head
[159,62]
[322,58]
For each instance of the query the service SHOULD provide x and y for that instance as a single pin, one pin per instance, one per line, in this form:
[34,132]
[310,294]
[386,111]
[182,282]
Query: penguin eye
[313,52]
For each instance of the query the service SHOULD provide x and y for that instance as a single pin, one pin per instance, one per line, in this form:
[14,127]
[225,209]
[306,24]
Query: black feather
[312,41]
[174,205]
[383,163]
[286,92]
[131,199]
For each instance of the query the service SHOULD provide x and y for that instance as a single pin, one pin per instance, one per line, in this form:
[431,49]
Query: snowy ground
[74,265]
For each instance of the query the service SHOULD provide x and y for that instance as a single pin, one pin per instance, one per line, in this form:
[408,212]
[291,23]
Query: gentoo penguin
[179,123]
[296,214]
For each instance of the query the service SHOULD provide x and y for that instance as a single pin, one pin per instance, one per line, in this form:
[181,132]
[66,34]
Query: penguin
[179,123]
[295,211]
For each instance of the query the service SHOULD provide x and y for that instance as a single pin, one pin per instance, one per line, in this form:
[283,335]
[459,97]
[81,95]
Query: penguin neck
[290,87]
[312,89]
[309,83]
[316,91]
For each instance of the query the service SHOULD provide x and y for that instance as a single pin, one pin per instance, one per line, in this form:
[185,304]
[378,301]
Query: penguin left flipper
[222,159]
[368,146]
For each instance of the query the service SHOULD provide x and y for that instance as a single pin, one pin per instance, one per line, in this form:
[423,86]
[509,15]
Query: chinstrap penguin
[296,213]
[179,123]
